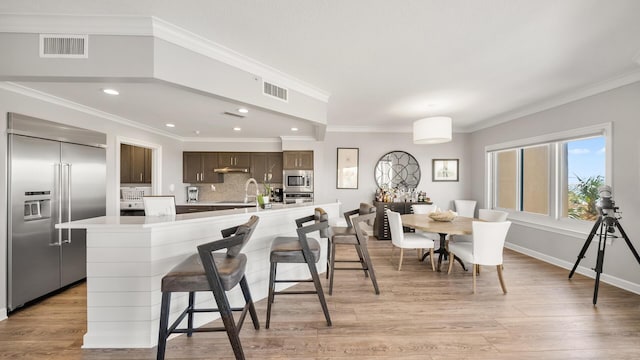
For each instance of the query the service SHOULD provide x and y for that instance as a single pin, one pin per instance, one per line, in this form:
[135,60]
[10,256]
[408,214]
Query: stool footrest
[350,268]
[290,281]
[174,327]
[295,292]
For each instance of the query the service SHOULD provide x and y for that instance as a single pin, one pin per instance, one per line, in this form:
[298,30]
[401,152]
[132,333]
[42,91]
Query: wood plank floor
[418,315]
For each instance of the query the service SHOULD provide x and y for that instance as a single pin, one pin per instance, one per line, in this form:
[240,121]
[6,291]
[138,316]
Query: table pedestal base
[443,253]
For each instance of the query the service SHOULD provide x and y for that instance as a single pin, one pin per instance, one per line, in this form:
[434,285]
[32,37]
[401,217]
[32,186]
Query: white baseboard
[611,280]
[3,314]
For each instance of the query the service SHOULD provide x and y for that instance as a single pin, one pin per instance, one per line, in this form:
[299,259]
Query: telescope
[605,226]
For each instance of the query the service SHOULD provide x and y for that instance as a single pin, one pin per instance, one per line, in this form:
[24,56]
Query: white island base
[128,256]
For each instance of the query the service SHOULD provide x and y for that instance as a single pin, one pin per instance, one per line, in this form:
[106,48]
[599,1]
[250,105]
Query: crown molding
[297,138]
[201,45]
[370,129]
[76,24]
[231,140]
[581,93]
[26,91]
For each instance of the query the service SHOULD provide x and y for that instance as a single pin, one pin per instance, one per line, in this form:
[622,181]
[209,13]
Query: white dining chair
[425,209]
[465,208]
[407,240]
[486,215]
[492,215]
[159,205]
[485,249]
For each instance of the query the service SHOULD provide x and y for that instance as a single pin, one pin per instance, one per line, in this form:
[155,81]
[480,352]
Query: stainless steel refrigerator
[57,173]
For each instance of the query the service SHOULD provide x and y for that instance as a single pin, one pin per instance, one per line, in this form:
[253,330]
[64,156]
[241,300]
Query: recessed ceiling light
[170,125]
[111,91]
[197,132]
[237,129]
[243,110]
[294,129]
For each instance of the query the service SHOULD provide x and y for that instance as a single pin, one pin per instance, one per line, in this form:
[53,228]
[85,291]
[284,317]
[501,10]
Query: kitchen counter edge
[151,221]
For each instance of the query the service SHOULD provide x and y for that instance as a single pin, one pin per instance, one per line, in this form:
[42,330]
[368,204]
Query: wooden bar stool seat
[215,272]
[301,249]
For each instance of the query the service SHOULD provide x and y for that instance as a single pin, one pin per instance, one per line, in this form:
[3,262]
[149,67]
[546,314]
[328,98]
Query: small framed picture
[347,171]
[445,170]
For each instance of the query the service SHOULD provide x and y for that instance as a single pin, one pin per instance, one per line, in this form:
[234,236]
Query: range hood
[226,170]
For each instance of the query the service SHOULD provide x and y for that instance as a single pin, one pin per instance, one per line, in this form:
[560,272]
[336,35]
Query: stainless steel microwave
[298,181]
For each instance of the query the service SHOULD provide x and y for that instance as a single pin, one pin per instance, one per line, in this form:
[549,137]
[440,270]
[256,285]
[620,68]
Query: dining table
[460,225]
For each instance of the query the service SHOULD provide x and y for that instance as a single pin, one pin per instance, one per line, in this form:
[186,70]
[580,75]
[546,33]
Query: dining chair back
[465,208]
[486,248]
[408,240]
[492,215]
[488,241]
[423,208]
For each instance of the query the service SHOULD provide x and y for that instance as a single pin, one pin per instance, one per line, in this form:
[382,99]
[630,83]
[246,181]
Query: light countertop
[151,221]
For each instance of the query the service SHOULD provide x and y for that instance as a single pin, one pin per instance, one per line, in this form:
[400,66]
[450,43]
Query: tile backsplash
[232,189]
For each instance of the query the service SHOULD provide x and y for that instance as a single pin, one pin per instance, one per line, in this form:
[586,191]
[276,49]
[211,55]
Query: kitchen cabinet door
[264,163]
[197,167]
[234,159]
[148,166]
[125,163]
[298,160]
[210,162]
[191,167]
[135,164]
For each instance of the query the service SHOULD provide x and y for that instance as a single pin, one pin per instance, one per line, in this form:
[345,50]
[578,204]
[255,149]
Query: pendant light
[432,130]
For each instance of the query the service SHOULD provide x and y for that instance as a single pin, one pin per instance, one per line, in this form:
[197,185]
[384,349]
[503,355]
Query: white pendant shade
[432,130]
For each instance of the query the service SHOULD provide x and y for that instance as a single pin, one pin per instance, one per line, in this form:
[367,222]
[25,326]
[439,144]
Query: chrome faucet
[246,190]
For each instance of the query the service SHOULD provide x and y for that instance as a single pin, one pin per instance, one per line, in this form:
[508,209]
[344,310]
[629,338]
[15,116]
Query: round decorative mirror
[397,169]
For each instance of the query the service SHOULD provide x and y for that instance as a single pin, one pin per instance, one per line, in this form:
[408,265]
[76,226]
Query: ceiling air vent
[233,114]
[64,46]
[275,91]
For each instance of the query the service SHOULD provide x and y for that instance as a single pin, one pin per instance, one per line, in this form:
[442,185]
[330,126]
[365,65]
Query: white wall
[620,106]
[13,102]
[372,146]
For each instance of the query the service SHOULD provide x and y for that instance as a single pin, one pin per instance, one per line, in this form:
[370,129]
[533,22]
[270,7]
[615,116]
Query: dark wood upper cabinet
[264,163]
[197,167]
[135,164]
[298,160]
[234,159]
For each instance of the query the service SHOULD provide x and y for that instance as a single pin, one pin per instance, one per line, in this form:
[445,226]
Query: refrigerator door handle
[58,168]
[68,241]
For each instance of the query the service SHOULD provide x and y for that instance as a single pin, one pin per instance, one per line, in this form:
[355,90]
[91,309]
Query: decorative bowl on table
[443,216]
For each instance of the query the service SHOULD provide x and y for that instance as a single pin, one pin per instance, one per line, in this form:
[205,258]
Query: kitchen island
[127,256]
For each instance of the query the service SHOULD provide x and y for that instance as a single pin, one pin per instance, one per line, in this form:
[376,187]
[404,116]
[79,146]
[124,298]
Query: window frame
[557,174]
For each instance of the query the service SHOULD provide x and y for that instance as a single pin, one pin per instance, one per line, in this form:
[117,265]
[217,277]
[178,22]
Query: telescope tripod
[605,225]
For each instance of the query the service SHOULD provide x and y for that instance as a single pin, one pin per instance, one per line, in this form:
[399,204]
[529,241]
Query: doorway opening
[138,173]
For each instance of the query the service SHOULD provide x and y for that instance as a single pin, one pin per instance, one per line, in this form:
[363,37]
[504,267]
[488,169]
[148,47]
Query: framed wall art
[347,169]
[445,170]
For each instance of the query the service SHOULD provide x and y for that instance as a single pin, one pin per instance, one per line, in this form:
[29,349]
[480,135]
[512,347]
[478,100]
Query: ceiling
[385,63]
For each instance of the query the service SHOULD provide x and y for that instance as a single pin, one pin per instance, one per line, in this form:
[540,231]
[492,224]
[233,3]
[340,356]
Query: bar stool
[353,235]
[217,272]
[320,215]
[299,249]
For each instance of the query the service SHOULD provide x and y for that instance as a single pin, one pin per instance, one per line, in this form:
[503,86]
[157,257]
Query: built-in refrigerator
[57,173]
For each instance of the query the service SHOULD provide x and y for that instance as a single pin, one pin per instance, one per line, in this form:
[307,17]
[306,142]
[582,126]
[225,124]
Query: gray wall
[621,107]
[372,146]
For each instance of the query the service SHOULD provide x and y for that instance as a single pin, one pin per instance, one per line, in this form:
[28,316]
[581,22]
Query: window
[554,177]
[585,174]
